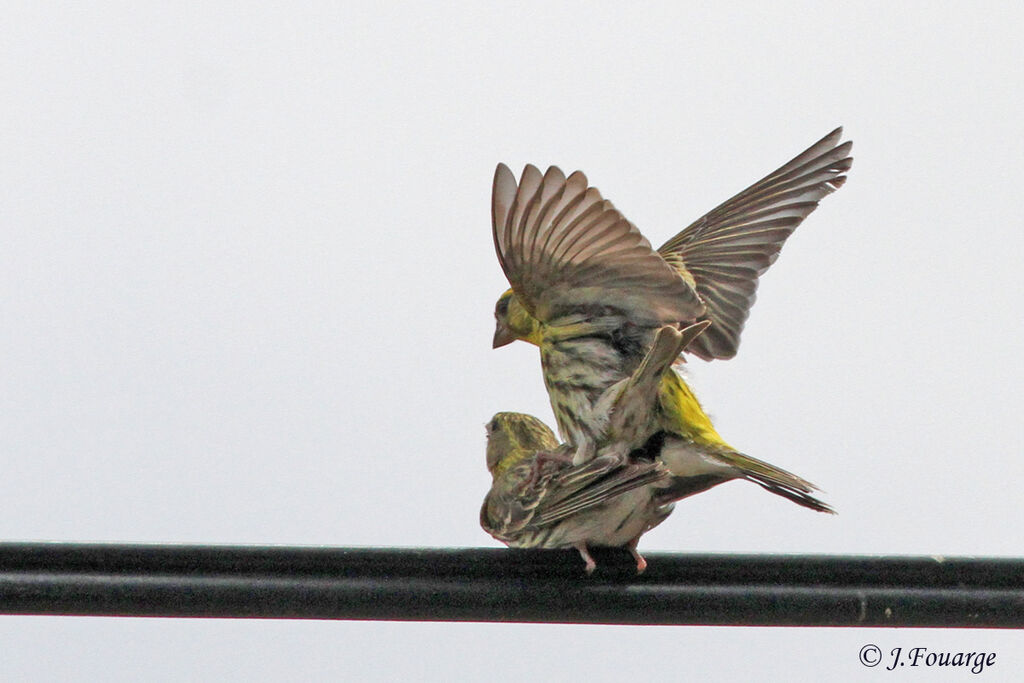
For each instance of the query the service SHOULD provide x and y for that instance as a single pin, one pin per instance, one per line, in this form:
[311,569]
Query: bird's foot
[641,563]
[585,554]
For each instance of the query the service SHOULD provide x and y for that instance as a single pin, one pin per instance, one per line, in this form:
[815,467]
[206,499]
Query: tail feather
[668,344]
[795,495]
[777,480]
[628,405]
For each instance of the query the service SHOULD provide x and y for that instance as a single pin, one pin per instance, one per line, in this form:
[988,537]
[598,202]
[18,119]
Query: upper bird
[589,290]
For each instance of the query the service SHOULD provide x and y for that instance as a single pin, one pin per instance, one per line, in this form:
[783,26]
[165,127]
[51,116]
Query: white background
[247,282]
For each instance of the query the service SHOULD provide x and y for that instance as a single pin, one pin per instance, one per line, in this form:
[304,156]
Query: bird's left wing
[726,250]
[568,253]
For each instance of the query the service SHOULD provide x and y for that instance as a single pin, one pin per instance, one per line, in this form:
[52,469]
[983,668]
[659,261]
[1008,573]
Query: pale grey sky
[248,278]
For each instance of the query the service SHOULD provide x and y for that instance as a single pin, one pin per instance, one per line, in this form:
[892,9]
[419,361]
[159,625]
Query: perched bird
[550,503]
[588,289]
[539,499]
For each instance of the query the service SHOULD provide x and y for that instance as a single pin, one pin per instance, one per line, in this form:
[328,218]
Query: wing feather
[739,239]
[566,249]
[597,489]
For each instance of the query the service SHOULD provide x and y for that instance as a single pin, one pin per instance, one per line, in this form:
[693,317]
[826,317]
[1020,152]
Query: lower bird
[539,499]
[547,502]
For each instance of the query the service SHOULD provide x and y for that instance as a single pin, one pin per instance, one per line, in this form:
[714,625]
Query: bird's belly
[576,373]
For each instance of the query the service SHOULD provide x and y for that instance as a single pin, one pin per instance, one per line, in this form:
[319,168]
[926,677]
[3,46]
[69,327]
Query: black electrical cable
[439,584]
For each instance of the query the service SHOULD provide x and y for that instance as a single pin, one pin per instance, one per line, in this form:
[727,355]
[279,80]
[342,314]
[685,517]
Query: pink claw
[641,563]
[585,554]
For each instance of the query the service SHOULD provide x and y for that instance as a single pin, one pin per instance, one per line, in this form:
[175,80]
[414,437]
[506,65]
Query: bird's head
[514,436]
[512,321]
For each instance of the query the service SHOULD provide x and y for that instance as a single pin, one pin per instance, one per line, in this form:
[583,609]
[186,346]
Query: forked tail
[777,480]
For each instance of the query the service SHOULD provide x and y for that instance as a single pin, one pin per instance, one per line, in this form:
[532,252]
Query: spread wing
[726,250]
[568,252]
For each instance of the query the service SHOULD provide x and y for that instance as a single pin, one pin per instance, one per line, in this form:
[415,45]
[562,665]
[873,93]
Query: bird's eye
[501,310]
[491,426]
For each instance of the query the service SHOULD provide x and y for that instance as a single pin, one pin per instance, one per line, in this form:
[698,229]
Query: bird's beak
[502,336]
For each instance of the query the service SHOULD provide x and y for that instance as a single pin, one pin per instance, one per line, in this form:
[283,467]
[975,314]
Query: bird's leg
[585,554]
[641,563]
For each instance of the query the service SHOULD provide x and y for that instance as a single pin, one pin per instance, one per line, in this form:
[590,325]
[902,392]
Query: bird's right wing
[727,249]
[595,483]
[524,502]
[571,256]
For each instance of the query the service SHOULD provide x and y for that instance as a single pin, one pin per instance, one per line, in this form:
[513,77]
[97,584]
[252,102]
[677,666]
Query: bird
[550,503]
[540,499]
[591,293]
